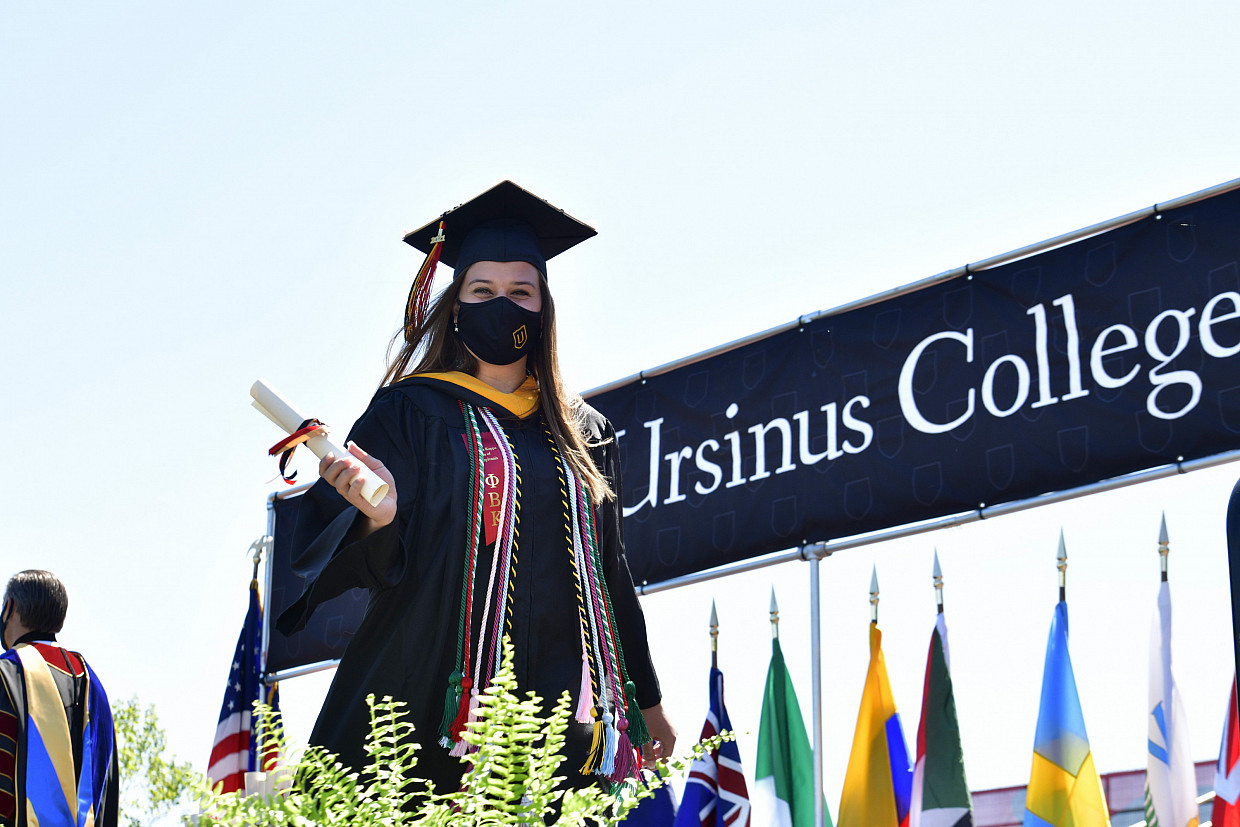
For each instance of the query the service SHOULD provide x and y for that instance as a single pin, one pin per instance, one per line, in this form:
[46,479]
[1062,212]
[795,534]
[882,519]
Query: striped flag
[940,791]
[233,754]
[878,784]
[1064,787]
[1227,772]
[784,787]
[1170,780]
[715,793]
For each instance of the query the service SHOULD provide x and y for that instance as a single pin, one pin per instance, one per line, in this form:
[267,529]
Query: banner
[1110,355]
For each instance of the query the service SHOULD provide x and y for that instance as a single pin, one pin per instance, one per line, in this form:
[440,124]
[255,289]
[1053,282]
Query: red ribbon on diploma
[285,447]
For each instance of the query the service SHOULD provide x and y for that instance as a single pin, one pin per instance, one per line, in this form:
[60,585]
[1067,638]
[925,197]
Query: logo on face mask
[519,336]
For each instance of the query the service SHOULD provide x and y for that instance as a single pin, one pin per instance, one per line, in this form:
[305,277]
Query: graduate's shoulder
[423,392]
[595,426]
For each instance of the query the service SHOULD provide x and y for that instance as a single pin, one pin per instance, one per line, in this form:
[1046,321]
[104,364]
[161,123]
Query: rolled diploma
[270,405]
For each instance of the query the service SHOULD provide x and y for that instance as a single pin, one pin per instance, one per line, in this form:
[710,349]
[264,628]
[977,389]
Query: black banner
[1107,356]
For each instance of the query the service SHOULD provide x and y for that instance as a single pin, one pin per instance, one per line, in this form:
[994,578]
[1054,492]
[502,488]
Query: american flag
[715,794]
[235,738]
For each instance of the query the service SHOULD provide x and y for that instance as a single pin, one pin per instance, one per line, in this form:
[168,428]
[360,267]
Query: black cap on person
[505,223]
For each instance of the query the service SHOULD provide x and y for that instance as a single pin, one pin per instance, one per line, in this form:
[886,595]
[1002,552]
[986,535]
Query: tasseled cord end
[461,747]
[420,292]
[595,757]
[462,712]
[608,764]
[585,700]
[639,736]
[451,703]
[627,761]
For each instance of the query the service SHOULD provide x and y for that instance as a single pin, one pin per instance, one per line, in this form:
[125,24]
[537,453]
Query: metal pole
[270,549]
[815,648]
[828,547]
[298,671]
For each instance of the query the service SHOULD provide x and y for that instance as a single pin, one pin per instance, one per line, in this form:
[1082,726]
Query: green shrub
[510,780]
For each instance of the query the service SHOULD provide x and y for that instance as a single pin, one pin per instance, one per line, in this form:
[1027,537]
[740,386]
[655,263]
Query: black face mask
[4,621]
[498,331]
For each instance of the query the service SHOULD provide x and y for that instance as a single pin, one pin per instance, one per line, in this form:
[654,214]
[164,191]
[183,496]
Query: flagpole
[1164,546]
[774,616]
[815,645]
[874,595]
[1062,557]
[938,582]
[714,637]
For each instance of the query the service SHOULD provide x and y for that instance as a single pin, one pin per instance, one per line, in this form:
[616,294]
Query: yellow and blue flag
[878,785]
[1064,787]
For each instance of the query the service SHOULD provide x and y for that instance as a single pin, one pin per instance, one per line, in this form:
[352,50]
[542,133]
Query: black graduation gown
[405,646]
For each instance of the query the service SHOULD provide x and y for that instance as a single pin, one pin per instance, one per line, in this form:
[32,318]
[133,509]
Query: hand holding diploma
[348,474]
[360,478]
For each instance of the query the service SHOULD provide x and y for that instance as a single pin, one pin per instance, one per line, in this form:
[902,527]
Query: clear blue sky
[192,197]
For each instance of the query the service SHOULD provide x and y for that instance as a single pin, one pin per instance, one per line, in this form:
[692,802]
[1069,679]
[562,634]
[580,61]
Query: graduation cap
[505,223]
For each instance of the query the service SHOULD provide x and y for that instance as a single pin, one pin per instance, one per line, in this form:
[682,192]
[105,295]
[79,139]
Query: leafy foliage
[150,784]
[511,779]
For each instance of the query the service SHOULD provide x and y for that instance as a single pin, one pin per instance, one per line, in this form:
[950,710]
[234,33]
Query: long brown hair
[439,349]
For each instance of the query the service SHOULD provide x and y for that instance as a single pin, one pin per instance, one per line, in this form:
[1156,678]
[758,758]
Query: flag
[784,777]
[878,784]
[1226,811]
[715,794]
[657,811]
[940,791]
[233,754]
[1064,787]
[1170,779]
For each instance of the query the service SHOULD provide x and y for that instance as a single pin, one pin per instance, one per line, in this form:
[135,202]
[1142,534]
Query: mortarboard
[505,223]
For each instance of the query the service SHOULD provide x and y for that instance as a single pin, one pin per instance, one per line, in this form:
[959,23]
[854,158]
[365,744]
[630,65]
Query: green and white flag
[940,791]
[784,790]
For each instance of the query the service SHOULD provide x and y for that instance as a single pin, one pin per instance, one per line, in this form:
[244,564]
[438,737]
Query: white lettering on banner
[705,453]
[1117,338]
[909,406]
[1010,382]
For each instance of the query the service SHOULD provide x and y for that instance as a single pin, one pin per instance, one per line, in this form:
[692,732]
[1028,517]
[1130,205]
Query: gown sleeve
[332,564]
[629,616]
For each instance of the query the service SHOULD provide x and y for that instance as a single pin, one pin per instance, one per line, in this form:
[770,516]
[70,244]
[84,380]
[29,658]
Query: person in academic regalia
[57,746]
[502,516]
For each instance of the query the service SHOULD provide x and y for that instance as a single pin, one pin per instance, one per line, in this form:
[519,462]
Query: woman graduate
[502,516]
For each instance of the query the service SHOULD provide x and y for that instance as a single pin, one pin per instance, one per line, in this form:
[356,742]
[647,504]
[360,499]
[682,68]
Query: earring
[455,329]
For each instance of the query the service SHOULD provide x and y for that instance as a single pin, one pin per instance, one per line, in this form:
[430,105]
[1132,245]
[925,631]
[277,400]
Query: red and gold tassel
[420,291]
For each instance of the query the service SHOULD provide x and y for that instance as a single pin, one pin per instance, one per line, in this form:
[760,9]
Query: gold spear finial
[1062,564]
[874,595]
[774,616]
[938,582]
[1164,546]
